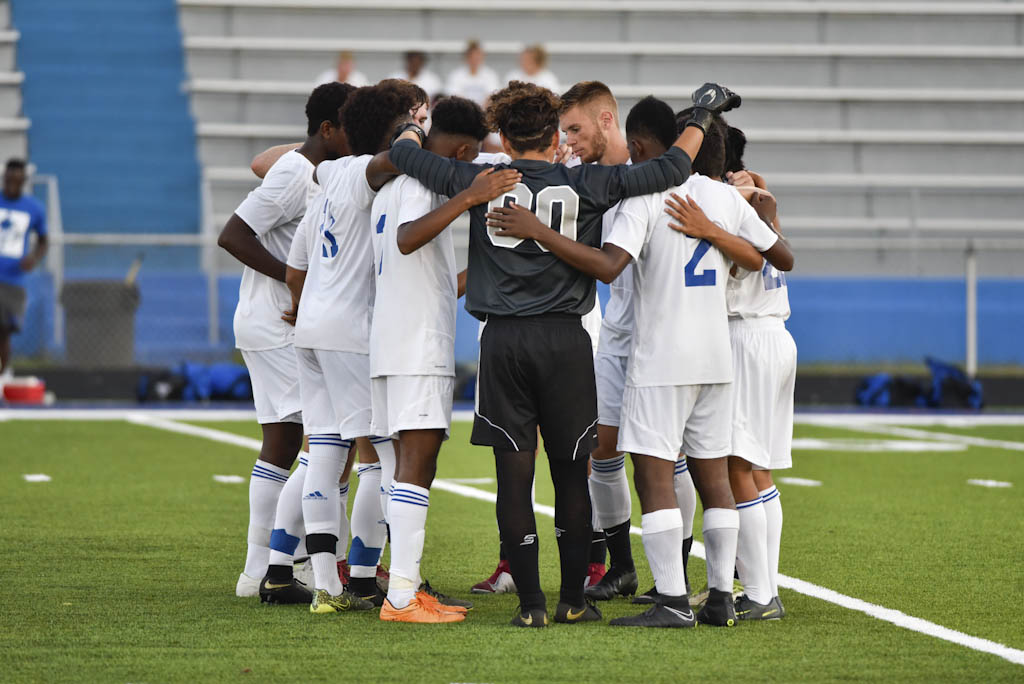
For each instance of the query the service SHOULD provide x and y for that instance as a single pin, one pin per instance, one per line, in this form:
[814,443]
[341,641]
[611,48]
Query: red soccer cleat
[500,582]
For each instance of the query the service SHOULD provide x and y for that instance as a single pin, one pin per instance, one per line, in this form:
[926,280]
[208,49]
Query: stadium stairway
[109,119]
[13,125]
[929,95]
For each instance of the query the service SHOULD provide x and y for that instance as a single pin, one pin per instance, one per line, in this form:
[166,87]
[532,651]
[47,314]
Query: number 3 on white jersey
[559,201]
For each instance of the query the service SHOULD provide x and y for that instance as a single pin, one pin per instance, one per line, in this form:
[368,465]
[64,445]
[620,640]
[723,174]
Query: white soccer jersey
[761,295]
[413,330]
[272,210]
[334,312]
[298,253]
[617,326]
[682,331]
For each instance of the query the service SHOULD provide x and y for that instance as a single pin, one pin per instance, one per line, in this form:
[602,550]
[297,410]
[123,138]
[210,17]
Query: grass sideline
[133,549]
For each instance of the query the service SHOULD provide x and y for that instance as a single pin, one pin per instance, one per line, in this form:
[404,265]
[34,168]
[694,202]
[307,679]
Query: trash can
[99,324]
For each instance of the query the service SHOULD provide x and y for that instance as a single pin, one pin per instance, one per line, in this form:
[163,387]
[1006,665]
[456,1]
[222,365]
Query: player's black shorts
[536,370]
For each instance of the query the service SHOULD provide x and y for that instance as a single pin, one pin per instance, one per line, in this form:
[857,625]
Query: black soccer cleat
[531,617]
[747,609]
[285,593]
[444,599]
[376,598]
[778,604]
[614,583]
[672,612]
[718,611]
[648,597]
[571,615]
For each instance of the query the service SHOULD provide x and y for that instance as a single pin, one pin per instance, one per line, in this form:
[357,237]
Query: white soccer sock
[721,529]
[409,505]
[368,529]
[265,485]
[686,496]
[663,536]
[325,573]
[773,518]
[385,449]
[288,528]
[321,503]
[609,492]
[343,526]
[752,552]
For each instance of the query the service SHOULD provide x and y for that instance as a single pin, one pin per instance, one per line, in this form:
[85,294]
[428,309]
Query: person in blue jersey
[20,216]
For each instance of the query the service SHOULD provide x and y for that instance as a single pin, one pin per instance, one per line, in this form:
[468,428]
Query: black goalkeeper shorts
[536,371]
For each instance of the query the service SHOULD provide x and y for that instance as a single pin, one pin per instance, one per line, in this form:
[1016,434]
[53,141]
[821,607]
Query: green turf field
[122,569]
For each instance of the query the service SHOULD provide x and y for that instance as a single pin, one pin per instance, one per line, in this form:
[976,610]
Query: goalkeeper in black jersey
[536,363]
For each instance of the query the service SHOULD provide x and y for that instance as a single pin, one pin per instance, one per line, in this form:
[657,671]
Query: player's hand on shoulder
[515,221]
[491,183]
[690,219]
[765,205]
[564,154]
[715,98]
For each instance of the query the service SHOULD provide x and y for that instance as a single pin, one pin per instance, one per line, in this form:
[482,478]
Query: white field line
[37,477]
[215,414]
[799,481]
[990,483]
[912,433]
[890,615]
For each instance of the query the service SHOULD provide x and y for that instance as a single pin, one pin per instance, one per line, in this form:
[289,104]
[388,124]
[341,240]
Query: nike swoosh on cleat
[527,620]
[574,616]
[680,614]
[276,586]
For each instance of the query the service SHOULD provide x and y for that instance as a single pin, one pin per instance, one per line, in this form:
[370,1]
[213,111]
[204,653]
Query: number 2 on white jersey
[555,201]
[705,278]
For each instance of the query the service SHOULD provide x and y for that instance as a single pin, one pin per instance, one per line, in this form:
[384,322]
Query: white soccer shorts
[275,384]
[667,420]
[411,402]
[335,388]
[764,361]
[611,383]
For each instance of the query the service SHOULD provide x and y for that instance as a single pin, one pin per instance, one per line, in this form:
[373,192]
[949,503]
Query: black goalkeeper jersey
[511,277]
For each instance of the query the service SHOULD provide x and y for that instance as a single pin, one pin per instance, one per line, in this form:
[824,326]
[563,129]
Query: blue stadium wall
[862,320]
[110,119]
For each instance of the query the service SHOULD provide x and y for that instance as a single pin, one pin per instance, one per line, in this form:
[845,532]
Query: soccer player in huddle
[536,367]
[678,387]
[332,341]
[412,356]
[764,360]
[259,235]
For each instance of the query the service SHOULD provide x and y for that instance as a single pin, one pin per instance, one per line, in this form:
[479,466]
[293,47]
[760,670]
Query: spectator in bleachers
[533,62]
[416,72]
[20,216]
[344,72]
[474,80]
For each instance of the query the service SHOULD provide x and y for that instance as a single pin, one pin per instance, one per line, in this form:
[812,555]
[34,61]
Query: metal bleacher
[13,126]
[868,118]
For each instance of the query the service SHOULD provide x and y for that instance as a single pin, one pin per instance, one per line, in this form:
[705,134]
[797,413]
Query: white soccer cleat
[304,573]
[247,587]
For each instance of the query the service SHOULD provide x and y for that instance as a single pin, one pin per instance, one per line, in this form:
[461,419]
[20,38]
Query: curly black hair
[370,114]
[526,114]
[735,145]
[652,118]
[710,160]
[323,105]
[458,116]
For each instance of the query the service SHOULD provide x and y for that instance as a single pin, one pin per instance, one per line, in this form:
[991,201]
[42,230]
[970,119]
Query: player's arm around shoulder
[691,220]
[605,264]
[488,184]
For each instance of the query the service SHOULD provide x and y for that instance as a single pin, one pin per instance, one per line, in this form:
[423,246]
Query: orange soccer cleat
[418,611]
[428,600]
